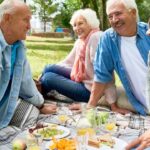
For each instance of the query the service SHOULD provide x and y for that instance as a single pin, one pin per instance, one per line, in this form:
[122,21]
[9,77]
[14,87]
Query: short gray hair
[9,7]
[89,15]
[129,4]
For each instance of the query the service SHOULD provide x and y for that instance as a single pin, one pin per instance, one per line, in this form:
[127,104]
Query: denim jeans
[55,77]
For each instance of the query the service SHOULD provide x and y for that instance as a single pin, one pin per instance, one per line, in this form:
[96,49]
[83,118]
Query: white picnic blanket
[129,126]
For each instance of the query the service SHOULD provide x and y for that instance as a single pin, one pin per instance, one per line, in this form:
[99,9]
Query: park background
[51,37]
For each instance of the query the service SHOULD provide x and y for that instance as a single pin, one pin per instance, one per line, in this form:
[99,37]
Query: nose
[114,18]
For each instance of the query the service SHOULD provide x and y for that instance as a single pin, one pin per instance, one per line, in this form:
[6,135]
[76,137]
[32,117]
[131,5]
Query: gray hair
[89,15]
[129,4]
[9,7]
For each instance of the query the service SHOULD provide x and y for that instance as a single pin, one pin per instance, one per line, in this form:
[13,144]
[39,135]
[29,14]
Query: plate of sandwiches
[106,142]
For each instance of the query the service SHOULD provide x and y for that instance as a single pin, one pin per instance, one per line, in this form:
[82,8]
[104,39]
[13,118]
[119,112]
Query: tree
[66,9]
[69,6]
[144,11]
[44,9]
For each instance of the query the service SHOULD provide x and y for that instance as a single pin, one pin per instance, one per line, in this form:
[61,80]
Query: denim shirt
[108,59]
[22,84]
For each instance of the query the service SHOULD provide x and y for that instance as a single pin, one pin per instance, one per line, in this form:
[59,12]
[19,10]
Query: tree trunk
[104,16]
[44,26]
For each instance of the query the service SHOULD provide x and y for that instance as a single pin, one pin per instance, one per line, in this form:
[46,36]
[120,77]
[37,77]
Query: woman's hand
[48,109]
[75,106]
[141,142]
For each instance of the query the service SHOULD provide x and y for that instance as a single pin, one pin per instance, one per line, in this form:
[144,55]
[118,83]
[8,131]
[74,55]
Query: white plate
[119,145]
[65,130]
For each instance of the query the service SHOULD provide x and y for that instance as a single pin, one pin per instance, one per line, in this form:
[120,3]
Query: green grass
[42,51]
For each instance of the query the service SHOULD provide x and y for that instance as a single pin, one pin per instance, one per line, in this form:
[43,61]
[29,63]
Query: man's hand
[48,109]
[141,142]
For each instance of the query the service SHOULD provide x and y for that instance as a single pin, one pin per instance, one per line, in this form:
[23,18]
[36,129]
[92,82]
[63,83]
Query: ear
[7,17]
[133,11]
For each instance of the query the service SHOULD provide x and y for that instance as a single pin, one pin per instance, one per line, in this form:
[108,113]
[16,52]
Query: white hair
[89,15]
[9,7]
[129,4]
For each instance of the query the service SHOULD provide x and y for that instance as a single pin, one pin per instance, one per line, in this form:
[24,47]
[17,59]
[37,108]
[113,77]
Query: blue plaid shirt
[108,59]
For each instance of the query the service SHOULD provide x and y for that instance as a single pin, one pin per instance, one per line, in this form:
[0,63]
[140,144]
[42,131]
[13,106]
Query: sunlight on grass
[42,51]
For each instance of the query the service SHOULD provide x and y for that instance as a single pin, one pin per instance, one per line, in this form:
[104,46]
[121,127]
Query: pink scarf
[78,73]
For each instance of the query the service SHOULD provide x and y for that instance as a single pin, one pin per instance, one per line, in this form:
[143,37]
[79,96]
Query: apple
[19,144]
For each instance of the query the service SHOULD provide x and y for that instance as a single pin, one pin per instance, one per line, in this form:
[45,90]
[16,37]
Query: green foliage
[144,11]
[67,8]
[44,9]
[42,51]
[1,1]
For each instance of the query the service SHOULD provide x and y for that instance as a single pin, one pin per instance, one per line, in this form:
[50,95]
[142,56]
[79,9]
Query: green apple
[19,144]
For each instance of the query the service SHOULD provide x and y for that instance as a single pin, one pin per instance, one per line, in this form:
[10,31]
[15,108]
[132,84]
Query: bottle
[84,128]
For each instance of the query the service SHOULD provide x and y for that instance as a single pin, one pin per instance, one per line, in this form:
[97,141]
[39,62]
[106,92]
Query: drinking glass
[62,118]
[85,127]
[32,142]
[101,119]
[110,124]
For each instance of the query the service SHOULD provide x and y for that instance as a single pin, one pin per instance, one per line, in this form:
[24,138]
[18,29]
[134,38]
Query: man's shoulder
[109,32]
[143,25]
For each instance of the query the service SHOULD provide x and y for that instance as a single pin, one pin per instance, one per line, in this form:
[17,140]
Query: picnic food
[63,144]
[94,143]
[19,145]
[48,132]
[103,116]
[105,139]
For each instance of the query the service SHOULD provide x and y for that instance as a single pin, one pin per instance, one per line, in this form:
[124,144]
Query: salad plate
[52,130]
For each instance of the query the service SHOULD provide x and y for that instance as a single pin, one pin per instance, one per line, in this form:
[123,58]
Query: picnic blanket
[129,126]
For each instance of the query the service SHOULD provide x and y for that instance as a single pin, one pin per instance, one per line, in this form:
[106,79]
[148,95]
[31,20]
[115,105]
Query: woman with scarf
[73,76]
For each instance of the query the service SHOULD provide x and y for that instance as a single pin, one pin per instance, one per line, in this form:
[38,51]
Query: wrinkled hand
[75,106]
[143,141]
[48,109]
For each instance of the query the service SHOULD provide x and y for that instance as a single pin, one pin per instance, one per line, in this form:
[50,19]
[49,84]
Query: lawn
[42,51]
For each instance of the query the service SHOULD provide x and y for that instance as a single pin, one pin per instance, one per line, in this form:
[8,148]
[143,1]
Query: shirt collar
[3,42]
[139,33]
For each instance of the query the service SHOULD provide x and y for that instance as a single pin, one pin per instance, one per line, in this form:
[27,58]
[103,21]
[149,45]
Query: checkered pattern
[129,126]
[25,115]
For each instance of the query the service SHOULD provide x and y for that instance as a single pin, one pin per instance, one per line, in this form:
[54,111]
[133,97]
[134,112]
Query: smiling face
[19,22]
[81,27]
[123,20]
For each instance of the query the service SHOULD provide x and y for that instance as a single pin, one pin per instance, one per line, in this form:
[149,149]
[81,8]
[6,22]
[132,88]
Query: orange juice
[110,126]
[63,118]
[83,131]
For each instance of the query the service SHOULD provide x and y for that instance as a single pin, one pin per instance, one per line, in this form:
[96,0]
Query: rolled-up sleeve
[103,62]
[28,90]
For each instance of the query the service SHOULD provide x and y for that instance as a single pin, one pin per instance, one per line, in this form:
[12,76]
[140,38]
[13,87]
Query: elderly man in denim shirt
[123,48]
[15,75]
